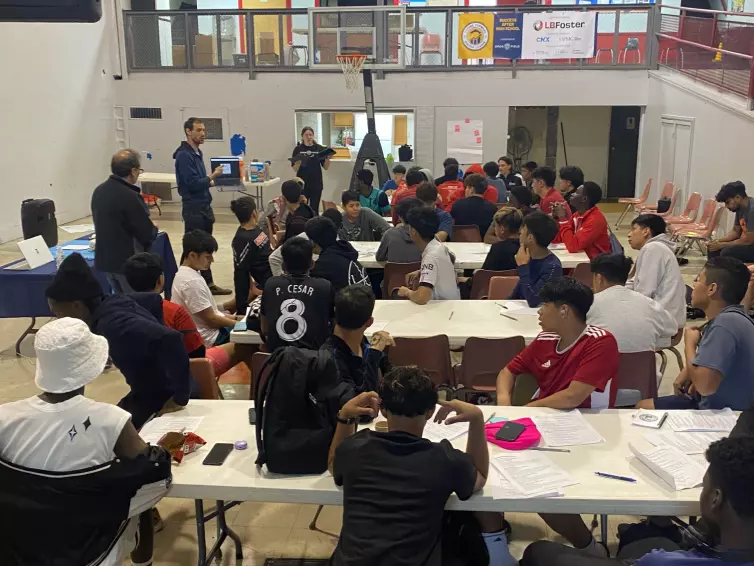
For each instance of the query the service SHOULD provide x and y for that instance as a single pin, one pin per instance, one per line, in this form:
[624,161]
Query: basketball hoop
[351,64]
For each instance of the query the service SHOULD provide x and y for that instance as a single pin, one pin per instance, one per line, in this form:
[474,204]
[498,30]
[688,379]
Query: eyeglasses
[140,170]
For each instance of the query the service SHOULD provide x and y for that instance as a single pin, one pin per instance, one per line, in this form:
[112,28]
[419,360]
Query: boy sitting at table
[437,277]
[536,263]
[574,365]
[396,244]
[361,224]
[371,197]
[396,483]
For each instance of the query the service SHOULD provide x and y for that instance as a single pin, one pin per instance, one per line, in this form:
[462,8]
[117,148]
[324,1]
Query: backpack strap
[261,389]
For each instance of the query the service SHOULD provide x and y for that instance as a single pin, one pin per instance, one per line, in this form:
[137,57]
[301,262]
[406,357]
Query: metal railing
[277,40]
[712,47]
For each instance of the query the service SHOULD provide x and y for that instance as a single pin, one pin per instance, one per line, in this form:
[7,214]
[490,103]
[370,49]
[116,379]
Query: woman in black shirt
[311,169]
[251,252]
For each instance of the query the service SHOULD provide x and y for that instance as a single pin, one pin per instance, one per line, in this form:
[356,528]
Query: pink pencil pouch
[530,437]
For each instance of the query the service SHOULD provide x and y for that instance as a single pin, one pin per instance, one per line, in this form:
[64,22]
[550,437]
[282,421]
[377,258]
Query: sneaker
[215,290]
[157,520]
[597,549]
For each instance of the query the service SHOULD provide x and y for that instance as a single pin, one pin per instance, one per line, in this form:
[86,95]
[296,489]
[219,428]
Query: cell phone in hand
[218,454]
[510,431]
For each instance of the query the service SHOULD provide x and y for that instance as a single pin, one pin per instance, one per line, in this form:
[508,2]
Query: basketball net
[351,65]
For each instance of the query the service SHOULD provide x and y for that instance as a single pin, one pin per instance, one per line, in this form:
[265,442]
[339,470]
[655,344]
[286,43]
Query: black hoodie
[191,176]
[339,264]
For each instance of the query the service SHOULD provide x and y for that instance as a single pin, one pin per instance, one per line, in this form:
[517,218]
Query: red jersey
[178,318]
[402,192]
[449,192]
[551,196]
[593,359]
[588,233]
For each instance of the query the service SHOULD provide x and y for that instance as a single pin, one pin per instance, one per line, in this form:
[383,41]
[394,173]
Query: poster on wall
[465,140]
[475,37]
[507,35]
[559,35]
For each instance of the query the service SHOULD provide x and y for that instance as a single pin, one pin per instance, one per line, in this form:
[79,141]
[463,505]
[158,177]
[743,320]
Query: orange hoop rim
[350,57]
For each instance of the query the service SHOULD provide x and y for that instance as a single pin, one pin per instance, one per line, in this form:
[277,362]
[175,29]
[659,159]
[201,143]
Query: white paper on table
[504,489]
[156,428]
[532,473]
[517,307]
[78,228]
[677,469]
[437,432]
[377,326]
[686,442]
[76,247]
[557,246]
[568,428]
[702,421]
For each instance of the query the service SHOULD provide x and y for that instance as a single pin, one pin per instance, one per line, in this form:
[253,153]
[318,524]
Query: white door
[676,146]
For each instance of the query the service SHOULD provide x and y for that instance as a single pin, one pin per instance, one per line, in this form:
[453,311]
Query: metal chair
[466,234]
[674,341]
[204,373]
[257,362]
[501,287]
[689,213]
[432,354]
[637,378]
[395,275]
[602,50]
[631,203]
[632,44]
[483,359]
[480,284]
[583,273]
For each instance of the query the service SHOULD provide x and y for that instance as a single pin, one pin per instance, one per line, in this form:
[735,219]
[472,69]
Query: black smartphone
[217,455]
[510,431]
[252,416]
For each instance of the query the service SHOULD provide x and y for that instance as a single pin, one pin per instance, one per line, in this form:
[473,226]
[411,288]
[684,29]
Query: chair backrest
[257,361]
[395,276]
[645,195]
[638,371]
[483,359]
[431,42]
[583,273]
[708,211]
[692,206]
[712,226]
[204,373]
[480,284]
[673,200]
[328,204]
[432,354]
[667,190]
[501,287]
[463,233]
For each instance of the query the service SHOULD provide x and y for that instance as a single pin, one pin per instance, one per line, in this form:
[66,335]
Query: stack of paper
[437,432]
[686,442]
[702,421]
[532,473]
[566,429]
[677,469]
[157,428]
[78,228]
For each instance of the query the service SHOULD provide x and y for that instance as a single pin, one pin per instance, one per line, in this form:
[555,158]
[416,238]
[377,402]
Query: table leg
[30,330]
[223,532]
[603,529]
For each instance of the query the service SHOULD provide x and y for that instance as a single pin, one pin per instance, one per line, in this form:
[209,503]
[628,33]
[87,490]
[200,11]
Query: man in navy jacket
[193,186]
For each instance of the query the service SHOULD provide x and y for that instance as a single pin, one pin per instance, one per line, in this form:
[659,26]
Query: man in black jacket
[150,356]
[193,186]
[338,260]
[121,219]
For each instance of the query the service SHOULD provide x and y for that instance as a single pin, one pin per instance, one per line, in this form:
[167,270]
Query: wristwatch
[345,421]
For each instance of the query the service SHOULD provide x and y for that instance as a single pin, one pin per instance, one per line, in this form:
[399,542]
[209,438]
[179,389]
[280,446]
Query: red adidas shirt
[178,318]
[551,196]
[593,359]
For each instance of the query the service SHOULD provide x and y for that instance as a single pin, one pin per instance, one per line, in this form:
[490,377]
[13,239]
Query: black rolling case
[38,219]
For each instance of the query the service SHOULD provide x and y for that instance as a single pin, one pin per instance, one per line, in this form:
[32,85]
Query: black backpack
[297,399]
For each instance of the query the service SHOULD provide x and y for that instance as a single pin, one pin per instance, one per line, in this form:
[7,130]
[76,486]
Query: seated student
[371,197]
[526,172]
[296,308]
[396,245]
[150,356]
[361,224]
[543,184]
[519,197]
[191,292]
[276,257]
[391,185]
[298,210]
[571,178]
[61,430]
[506,173]
[638,323]
[426,192]
[656,273]
[437,277]
[144,273]
[451,172]
[536,263]
[413,178]
[408,478]
[277,209]
[474,210]
[739,242]
[251,253]
[721,371]
[490,193]
[502,254]
[587,230]
[338,261]
[491,171]
[360,361]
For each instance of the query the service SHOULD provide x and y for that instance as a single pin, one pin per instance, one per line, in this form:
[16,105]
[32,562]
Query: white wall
[58,133]
[587,136]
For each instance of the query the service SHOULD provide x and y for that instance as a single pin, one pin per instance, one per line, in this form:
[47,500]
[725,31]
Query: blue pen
[613,477]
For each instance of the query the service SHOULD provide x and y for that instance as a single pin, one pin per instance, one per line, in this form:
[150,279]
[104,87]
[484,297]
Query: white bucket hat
[69,355]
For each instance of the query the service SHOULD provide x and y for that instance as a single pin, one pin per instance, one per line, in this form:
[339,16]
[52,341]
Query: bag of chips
[181,443]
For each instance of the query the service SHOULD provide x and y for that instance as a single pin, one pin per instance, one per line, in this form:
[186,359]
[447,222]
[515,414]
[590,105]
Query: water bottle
[58,257]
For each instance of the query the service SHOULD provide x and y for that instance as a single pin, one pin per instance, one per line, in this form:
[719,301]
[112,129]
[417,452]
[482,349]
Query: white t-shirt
[638,323]
[438,273]
[60,437]
[191,291]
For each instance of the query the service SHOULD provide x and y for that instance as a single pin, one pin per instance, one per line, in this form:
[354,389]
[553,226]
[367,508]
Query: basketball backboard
[378,32]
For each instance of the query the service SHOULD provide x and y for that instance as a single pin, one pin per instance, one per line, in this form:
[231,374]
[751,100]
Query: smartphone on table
[218,454]
[510,431]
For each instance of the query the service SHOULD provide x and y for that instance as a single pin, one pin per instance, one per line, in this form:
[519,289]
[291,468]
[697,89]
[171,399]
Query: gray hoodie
[397,247]
[368,227]
[657,276]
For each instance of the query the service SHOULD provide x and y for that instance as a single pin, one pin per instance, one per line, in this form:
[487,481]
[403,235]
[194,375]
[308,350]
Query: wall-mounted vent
[146,113]
[214,128]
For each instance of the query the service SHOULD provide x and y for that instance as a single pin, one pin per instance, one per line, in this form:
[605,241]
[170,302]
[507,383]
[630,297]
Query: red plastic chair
[501,287]
[673,199]
[583,272]
[631,203]
[432,354]
[466,233]
[395,276]
[480,284]
[689,213]
[707,212]
[689,237]
[667,192]
[637,378]
[483,359]
[204,373]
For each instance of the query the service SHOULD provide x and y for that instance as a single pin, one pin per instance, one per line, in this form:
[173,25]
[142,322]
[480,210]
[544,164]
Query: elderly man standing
[121,219]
